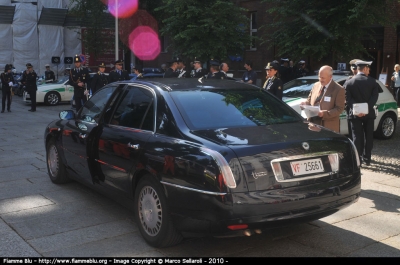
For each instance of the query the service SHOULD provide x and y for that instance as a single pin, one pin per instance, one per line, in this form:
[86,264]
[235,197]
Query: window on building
[253,30]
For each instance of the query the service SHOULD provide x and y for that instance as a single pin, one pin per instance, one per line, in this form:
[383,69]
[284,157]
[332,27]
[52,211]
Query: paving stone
[126,245]
[82,236]
[11,245]
[23,203]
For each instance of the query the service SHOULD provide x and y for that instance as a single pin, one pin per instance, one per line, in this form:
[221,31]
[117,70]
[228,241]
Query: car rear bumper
[211,214]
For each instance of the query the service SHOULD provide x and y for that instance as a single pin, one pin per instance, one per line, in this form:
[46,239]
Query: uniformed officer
[197,71]
[214,70]
[7,81]
[29,78]
[301,70]
[79,78]
[353,68]
[172,72]
[273,84]
[362,89]
[285,71]
[118,74]
[99,79]
[49,74]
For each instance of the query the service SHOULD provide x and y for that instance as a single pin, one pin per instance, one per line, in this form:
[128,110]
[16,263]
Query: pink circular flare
[122,8]
[144,43]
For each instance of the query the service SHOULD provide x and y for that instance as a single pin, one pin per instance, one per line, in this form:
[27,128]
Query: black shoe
[2,111]
[367,162]
[31,110]
[9,110]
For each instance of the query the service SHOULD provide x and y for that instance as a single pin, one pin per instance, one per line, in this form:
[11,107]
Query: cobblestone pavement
[386,154]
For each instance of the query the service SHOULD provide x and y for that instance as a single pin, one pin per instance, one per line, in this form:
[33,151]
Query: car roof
[176,84]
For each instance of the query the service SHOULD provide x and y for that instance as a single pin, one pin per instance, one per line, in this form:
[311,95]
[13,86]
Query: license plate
[307,167]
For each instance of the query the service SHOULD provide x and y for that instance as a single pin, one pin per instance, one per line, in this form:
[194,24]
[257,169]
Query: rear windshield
[210,109]
[298,88]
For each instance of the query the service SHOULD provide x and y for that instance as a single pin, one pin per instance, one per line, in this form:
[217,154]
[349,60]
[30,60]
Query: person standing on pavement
[249,76]
[198,71]
[79,78]
[7,81]
[330,97]
[118,74]
[301,70]
[285,71]
[223,69]
[29,79]
[273,84]
[396,83]
[214,70]
[172,72]
[362,89]
[99,79]
[353,68]
[49,75]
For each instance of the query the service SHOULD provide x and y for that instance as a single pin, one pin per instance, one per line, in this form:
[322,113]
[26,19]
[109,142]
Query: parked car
[53,93]
[297,90]
[149,73]
[214,157]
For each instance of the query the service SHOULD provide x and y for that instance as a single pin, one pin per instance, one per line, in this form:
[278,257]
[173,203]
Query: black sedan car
[214,157]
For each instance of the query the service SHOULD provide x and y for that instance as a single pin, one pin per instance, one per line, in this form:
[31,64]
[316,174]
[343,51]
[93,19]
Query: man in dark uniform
[29,78]
[362,89]
[197,71]
[99,79]
[79,78]
[172,72]
[301,70]
[285,71]
[7,81]
[353,68]
[49,75]
[214,70]
[273,84]
[118,74]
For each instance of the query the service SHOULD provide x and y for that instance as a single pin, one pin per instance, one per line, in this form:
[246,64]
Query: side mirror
[67,115]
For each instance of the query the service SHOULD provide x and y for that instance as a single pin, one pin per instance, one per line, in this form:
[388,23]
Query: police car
[54,93]
[297,91]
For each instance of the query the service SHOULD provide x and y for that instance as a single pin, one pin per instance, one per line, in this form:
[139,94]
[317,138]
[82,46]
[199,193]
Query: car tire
[386,127]
[55,166]
[52,98]
[152,215]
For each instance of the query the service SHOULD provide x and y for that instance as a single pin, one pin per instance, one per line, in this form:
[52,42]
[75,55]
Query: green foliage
[93,15]
[204,28]
[319,28]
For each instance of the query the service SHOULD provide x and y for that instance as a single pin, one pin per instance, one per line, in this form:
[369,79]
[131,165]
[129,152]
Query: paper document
[309,111]
[359,108]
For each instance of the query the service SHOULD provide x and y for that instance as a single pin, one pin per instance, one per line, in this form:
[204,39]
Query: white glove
[10,84]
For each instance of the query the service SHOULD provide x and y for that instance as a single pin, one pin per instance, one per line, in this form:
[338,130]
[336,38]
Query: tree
[207,29]
[94,13]
[319,28]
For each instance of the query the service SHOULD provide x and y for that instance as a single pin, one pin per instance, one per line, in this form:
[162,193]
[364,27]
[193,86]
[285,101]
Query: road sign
[55,60]
[68,60]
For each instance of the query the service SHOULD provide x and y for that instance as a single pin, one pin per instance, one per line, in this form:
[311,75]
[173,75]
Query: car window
[95,105]
[136,109]
[298,88]
[209,109]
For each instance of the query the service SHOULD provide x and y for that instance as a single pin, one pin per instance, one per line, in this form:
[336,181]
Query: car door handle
[82,135]
[134,146]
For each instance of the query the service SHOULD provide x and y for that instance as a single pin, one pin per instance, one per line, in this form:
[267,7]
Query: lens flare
[122,8]
[144,43]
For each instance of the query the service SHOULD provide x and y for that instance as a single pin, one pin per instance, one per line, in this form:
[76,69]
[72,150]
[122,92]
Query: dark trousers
[32,94]
[79,101]
[396,95]
[363,135]
[6,96]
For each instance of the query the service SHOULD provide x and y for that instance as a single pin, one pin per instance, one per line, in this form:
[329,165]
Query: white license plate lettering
[307,167]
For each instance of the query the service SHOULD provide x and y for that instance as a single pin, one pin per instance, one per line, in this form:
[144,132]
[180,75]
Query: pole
[116,30]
